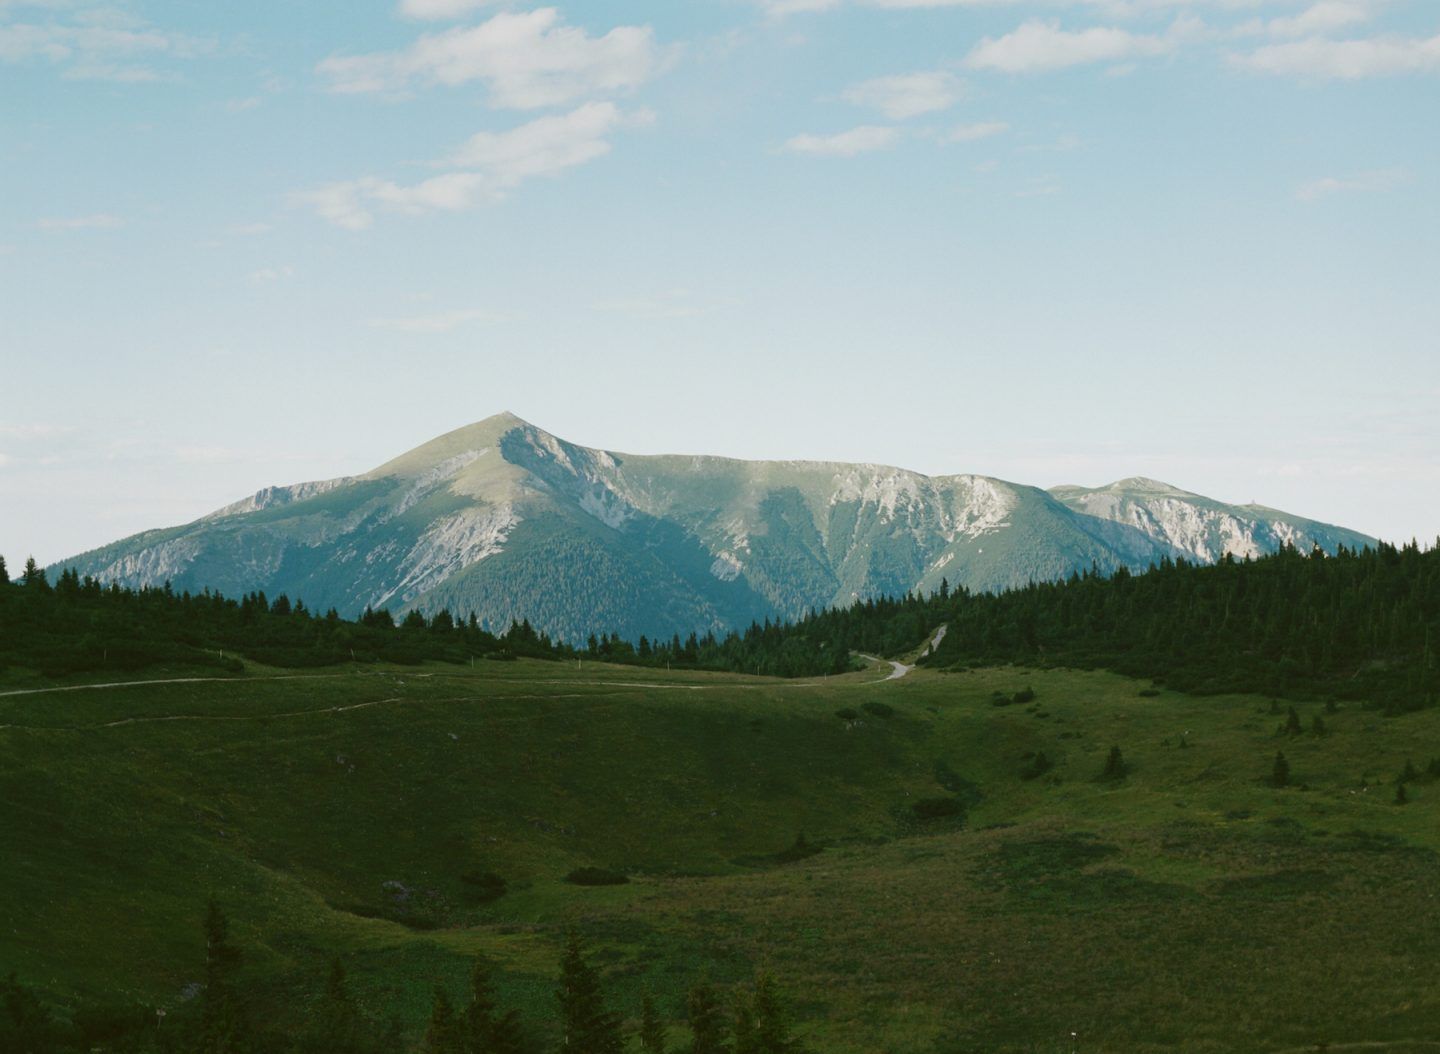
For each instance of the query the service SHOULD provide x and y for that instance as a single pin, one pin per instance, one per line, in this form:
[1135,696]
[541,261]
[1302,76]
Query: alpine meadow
[981,595]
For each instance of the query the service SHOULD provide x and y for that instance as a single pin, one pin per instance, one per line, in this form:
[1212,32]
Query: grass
[1188,907]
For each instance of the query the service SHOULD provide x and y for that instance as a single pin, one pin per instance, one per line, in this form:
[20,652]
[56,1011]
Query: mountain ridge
[506,519]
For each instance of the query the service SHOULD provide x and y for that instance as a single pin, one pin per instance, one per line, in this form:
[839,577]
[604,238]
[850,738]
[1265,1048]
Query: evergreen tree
[1280,772]
[652,1029]
[1318,728]
[4,574]
[587,1027]
[336,1027]
[1292,722]
[1401,797]
[35,577]
[1115,767]
[223,1027]
[444,1034]
[707,1021]
[1408,774]
[772,1026]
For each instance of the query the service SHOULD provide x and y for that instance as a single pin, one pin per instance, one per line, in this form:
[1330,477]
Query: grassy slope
[1190,908]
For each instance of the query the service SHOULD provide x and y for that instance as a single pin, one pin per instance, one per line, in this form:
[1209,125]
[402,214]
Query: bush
[596,876]
[848,714]
[1039,765]
[1024,695]
[482,887]
[937,808]
[879,709]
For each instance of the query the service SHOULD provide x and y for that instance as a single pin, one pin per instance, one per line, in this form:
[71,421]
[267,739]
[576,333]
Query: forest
[1354,625]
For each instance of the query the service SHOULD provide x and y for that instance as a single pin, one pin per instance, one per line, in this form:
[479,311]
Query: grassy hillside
[1189,906]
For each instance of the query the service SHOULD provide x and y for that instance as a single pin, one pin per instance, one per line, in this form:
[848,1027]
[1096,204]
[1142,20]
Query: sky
[1053,241]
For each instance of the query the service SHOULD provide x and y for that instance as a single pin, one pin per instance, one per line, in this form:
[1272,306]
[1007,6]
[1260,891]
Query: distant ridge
[509,521]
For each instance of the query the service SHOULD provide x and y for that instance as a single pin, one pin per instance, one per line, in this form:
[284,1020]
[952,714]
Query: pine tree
[587,1027]
[1318,728]
[1280,773]
[336,1028]
[1401,797]
[1409,774]
[4,574]
[35,576]
[480,1016]
[707,1022]
[443,1035]
[1115,767]
[772,1026]
[1292,722]
[652,1029]
[223,1028]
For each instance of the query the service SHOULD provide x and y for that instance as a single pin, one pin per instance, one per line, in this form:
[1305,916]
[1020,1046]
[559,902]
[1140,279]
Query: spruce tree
[772,1026]
[1280,773]
[707,1021]
[336,1027]
[443,1035]
[223,1028]
[652,1029]
[4,574]
[1401,797]
[1115,767]
[480,1014]
[587,1027]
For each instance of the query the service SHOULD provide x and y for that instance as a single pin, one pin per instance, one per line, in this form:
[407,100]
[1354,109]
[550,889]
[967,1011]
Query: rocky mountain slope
[506,520]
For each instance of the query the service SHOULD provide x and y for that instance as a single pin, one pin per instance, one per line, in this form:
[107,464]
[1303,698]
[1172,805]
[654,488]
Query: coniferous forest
[1355,625]
[221,1017]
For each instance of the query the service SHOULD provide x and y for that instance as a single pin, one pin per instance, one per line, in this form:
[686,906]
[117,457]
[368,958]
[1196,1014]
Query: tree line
[222,1016]
[1359,624]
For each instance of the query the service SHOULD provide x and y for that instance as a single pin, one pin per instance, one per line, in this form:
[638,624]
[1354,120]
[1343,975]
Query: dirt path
[175,680]
[897,671]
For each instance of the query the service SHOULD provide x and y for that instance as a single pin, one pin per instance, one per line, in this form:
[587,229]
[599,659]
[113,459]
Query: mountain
[1202,528]
[508,521]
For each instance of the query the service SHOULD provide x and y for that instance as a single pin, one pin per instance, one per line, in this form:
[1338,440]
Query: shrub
[1115,767]
[936,808]
[483,886]
[1024,695]
[878,709]
[1039,765]
[848,714]
[596,876]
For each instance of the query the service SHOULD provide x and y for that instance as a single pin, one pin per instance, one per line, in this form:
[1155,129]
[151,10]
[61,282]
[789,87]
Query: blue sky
[1055,241]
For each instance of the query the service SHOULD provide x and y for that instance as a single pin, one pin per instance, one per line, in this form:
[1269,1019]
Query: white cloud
[487,166]
[97,221]
[96,43]
[860,140]
[440,9]
[1380,180]
[1324,17]
[1345,59]
[441,322]
[906,94]
[527,60]
[969,133]
[1039,46]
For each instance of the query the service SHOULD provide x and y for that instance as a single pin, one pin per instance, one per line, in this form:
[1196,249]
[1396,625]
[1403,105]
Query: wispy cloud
[527,60]
[1379,180]
[438,10]
[1345,59]
[93,42]
[97,221]
[440,322]
[970,133]
[907,94]
[860,140]
[484,169]
[1041,46]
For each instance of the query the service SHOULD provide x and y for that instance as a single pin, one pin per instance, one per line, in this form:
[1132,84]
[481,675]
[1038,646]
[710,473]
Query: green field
[1190,906]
